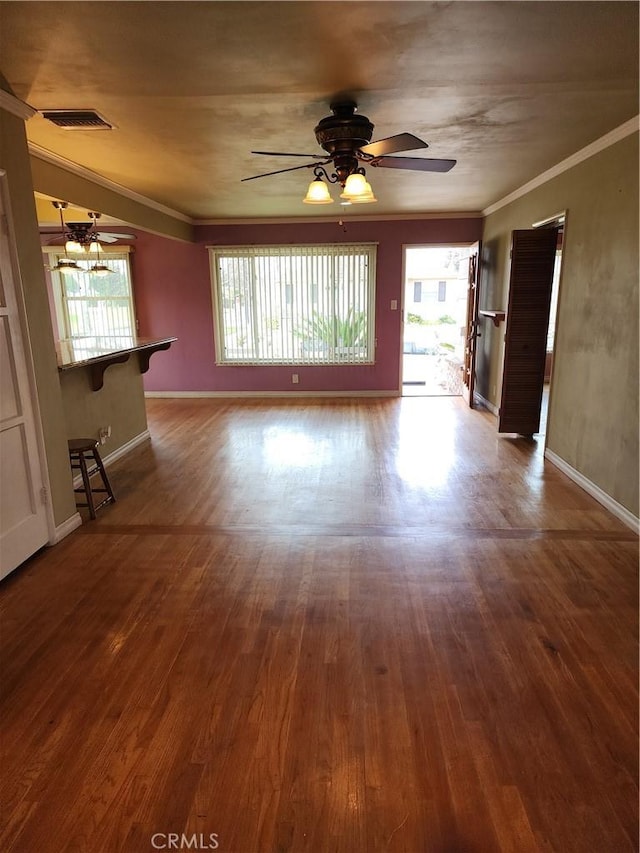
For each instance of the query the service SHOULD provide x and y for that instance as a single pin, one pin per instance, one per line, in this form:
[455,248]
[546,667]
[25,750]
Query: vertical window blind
[96,310]
[294,304]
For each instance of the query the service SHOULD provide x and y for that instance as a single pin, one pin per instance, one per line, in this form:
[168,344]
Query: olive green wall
[53,180]
[14,159]
[118,404]
[68,406]
[593,411]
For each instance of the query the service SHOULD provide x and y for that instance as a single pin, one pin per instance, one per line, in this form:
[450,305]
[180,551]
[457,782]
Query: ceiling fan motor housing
[341,135]
[81,232]
[344,132]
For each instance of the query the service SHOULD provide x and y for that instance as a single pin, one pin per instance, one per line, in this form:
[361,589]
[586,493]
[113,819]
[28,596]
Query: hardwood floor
[338,625]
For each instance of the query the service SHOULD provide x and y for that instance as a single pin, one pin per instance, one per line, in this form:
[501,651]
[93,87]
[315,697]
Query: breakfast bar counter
[97,354]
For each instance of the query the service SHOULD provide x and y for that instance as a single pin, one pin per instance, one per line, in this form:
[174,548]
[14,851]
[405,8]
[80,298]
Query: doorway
[535,267]
[434,315]
[551,329]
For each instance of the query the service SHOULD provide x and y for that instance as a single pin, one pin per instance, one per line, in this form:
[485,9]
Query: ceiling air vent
[77,119]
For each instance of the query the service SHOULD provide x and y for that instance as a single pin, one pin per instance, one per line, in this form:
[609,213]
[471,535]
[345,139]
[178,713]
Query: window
[442,291]
[93,309]
[417,291]
[294,304]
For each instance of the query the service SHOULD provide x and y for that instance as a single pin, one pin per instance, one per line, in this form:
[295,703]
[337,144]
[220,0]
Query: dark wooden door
[533,255]
[471,331]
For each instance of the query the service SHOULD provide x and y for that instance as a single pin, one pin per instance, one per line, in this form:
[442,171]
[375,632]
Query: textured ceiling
[508,89]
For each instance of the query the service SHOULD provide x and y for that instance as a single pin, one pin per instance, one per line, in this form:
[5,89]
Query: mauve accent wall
[173,297]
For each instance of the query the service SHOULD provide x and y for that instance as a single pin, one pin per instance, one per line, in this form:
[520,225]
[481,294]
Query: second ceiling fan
[78,236]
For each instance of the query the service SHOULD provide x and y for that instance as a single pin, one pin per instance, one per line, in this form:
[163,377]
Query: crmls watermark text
[177,841]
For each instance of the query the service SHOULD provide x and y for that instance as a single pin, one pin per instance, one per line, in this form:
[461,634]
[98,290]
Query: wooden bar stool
[81,452]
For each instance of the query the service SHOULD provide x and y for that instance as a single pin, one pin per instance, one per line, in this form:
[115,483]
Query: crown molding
[580,156]
[344,217]
[82,172]
[15,106]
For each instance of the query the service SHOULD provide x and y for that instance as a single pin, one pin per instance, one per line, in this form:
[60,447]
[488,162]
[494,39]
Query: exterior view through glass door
[434,315]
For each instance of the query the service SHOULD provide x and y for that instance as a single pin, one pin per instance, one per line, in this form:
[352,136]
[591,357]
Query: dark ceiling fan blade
[292,169]
[285,154]
[417,164]
[393,144]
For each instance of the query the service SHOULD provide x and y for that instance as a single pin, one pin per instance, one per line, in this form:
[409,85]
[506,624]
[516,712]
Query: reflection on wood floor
[336,625]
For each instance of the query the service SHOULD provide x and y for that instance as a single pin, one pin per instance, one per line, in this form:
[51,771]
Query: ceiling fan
[346,139]
[83,238]
[79,236]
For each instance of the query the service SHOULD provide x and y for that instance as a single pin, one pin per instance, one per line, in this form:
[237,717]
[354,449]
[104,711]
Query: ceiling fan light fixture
[100,270]
[355,185]
[318,193]
[366,197]
[98,267]
[346,141]
[72,247]
[66,265]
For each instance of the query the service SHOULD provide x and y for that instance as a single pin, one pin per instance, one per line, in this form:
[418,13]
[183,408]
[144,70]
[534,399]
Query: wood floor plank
[344,625]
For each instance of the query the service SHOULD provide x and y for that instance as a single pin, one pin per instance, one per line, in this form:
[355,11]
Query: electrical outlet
[104,433]
[295,378]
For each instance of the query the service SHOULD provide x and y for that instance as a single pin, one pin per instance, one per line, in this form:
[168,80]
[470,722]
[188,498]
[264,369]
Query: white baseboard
[487,405]
[259,394]
[596,492]
[72,523]
[116,454]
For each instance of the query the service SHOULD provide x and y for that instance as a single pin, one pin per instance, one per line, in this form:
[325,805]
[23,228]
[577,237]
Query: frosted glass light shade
[72,246]
[65,265]
[366,197]
[100,270]
[318,193]
[355,186]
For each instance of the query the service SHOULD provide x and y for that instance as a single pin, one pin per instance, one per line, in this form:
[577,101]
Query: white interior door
[23,513]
